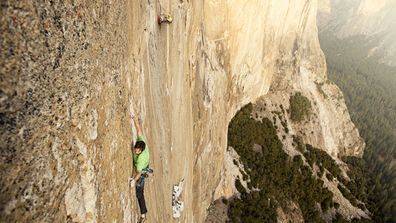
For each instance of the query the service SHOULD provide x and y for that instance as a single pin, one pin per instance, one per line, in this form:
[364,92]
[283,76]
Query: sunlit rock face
[67,70]
[373,20]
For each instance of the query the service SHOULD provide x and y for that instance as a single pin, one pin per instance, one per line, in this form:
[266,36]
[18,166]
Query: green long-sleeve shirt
[141,161]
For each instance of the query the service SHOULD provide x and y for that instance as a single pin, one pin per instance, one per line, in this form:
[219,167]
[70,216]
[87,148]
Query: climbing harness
[145,174]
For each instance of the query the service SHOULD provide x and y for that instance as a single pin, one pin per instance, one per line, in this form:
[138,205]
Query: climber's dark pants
[140,197]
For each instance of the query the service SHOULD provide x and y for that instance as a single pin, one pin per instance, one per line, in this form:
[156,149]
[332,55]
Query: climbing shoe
[142,218]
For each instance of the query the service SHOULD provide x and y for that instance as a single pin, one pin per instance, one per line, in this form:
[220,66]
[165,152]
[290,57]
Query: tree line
[370,94]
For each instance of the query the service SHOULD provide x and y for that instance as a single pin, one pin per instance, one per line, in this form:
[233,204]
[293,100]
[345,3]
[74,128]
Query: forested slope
[370,93]
[299,186]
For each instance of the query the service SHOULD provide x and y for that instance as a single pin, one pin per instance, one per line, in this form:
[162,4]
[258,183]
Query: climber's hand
[131,112]
[132,182]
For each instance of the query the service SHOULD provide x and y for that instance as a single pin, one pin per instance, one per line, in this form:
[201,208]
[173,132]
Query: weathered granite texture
[63,72]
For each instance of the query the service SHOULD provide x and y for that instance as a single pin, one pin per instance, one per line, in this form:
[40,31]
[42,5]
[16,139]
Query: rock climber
[164,18]
[141,158]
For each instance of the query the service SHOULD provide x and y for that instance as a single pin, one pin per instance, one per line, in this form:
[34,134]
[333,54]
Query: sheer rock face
[68,68]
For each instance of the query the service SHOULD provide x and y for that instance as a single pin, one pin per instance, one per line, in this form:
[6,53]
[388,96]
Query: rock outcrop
[68,68]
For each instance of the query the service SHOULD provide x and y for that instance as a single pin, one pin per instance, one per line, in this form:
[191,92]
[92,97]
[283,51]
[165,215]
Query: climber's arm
[135,178]
[134,120]
[138,126]
[137,175]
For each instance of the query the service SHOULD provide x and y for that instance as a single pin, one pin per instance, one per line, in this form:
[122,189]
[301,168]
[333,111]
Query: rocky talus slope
[68,67]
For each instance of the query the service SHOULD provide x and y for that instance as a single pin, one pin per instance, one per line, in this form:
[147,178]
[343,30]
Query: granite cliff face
[68,68]
[373,21]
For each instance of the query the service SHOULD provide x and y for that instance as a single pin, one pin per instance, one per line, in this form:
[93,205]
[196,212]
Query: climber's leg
[140,197]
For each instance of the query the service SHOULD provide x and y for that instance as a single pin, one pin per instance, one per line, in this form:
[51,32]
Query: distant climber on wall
[164,18]
[141,158]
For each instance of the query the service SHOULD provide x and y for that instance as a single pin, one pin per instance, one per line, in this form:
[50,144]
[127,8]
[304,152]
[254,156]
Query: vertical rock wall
[64,129]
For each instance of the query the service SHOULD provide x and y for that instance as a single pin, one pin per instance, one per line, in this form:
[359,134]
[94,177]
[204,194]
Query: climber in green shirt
[141,158]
